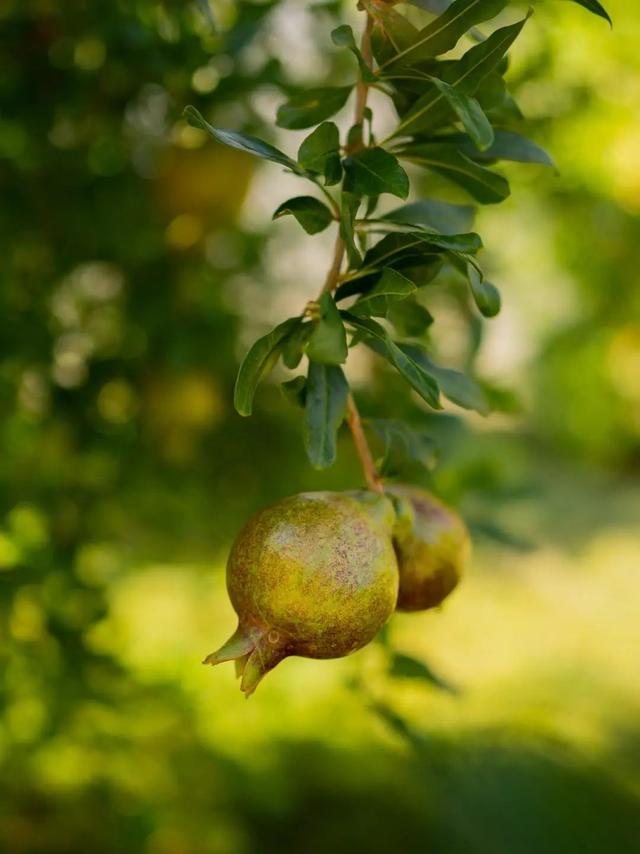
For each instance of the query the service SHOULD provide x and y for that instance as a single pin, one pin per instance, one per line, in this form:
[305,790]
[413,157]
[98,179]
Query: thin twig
[354,421]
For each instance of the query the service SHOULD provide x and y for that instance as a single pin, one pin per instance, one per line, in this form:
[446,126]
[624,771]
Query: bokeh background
[138,261]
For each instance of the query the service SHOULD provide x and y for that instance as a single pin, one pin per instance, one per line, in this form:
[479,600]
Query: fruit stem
[371,476]
[363,450]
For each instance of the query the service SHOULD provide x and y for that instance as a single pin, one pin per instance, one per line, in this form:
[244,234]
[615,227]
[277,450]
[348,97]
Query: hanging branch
[456,120]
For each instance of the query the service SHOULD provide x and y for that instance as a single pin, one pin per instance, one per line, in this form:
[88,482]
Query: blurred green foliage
[136,264]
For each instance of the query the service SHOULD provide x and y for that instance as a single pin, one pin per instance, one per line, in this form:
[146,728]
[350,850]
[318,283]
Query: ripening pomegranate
[432,546]
[314,575]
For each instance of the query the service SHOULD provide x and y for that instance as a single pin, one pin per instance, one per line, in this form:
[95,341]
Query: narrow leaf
[348,212]
[325,407]
[312,214]
[312,107]
[320,153]
[375,171]
[424,384]
[507,145]
[241,141]
[596,8]
[441,35]
[392,32]
[259,360]
[482,184]
[458,387]
[328,342]
[442,216]
[465,74]
[470,113]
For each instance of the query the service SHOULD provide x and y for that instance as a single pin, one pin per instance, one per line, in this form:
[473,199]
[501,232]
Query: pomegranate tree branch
[372,478]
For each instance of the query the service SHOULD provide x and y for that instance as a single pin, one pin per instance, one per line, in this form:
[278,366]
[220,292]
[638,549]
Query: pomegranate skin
[432,545]
[314,575]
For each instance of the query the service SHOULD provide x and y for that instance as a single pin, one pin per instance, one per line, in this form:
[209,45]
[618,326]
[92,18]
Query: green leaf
[481,183]
[469,112]
[436,7]
[328,342]
[407,667]
[325,407]
[397,246]
[508,145]
[312,214]
[441,35]
[348,212]
[402,443]
[424,384]
[409,318]
[241,141]
[486,295]
[470,242]
[295,343]
[320,153]
[391,287]
[375,171]
[343,37]
[466,75]
[258,362]
[392,32]
[312,107]
[442,216]
[596,8]
[295,390]
[458,387]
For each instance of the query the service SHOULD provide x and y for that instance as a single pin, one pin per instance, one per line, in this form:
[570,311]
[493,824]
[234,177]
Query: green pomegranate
[314,575]
[432,545]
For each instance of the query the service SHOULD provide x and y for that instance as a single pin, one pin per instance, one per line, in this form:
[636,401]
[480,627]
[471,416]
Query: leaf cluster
[457,120]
